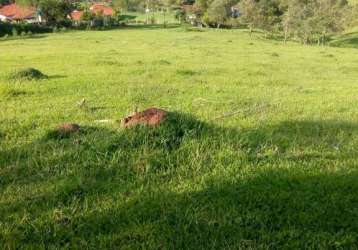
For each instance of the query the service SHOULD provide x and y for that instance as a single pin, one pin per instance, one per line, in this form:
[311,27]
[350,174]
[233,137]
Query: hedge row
[22,28]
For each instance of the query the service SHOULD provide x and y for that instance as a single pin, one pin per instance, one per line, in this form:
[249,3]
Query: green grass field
[259,152]
[157,17]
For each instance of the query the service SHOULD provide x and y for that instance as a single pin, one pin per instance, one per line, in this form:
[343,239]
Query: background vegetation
[305,21]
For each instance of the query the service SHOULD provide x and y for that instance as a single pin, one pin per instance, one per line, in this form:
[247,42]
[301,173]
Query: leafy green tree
[314,20]
[217,13]
[4,2]
[130,5]
[122,5]
[328,18]
[250,14]
[88,17]
[54,12]
[164,6]
[351,19]
[270,15]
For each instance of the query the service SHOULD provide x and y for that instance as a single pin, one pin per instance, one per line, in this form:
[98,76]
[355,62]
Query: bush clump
[27,74]
[15,29]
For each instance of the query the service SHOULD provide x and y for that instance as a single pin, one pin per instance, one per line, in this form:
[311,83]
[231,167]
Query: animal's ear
[124,121]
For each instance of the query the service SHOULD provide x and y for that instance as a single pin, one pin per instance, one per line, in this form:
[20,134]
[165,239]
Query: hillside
[260,150]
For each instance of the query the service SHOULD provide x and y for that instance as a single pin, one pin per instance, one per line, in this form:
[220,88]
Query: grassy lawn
[157,17]
[260,150]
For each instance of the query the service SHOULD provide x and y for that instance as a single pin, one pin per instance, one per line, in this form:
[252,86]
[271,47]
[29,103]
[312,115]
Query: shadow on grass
[349,40]
[56,77]
[12,38]
[275,209]
[113,188]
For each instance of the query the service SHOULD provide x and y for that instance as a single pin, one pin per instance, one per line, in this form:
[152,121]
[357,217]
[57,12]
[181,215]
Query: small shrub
[23,33]
[29,33]
[14,32]
[186,72]
[162,62]
[329,55]
[26,74]
[14,29]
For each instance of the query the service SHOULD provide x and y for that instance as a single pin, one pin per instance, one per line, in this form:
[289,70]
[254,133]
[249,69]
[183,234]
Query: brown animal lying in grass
[150,117]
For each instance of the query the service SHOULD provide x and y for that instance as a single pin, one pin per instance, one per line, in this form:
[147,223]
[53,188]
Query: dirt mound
[27,74]
[149,117]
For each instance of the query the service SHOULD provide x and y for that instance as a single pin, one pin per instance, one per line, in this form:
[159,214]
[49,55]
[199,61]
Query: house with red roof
[17,13]
[101,8]
[98,8]
[76,15]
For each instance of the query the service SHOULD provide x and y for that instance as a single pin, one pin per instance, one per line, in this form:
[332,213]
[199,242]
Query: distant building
[76,15]
[17,13]
[188,8]
[101,8]
[95,9]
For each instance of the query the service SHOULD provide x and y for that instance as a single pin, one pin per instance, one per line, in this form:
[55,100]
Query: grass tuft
[193,29]
[186,72]
[9,92]
[26,74]
[162,62]
[330,56]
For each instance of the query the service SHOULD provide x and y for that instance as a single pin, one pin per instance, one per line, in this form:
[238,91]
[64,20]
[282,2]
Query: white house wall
[3,18]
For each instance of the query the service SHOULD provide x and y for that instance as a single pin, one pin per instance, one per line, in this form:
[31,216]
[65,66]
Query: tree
[201,6]
[165,6]
[270,15]
[4,2]
[129,5]
[351,19]
[54,12]
[217,13]
[88,17]
[122,5]
[250,14]
[314,20]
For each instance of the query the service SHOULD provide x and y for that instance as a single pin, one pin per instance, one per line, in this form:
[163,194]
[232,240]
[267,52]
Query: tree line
[309,21]
[306,20]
